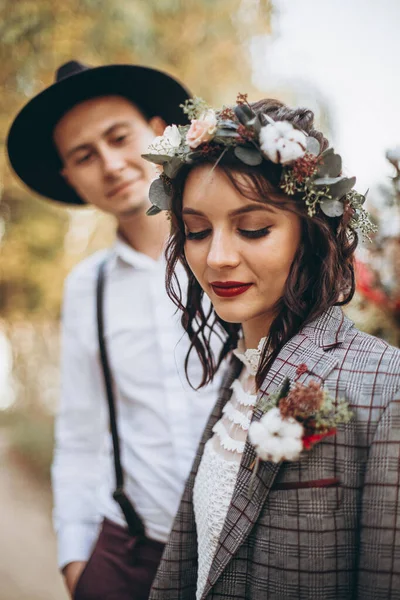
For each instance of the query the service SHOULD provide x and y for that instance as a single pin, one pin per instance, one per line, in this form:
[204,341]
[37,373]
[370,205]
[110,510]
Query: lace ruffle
[242,397]
[236,416]
[226,441]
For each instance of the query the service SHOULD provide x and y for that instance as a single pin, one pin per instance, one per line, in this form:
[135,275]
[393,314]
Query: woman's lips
[228,289]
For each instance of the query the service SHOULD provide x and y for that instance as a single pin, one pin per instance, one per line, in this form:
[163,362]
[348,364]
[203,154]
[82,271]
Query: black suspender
[135,524]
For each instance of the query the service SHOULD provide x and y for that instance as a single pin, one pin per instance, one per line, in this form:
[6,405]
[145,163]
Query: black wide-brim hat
[30,145]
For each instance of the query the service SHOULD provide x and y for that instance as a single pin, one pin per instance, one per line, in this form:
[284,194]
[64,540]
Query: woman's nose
[222,252]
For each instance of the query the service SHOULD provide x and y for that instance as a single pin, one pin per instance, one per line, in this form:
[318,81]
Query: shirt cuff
[76,542]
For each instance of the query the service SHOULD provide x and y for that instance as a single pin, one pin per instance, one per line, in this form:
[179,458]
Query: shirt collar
[136,259]
[330,329]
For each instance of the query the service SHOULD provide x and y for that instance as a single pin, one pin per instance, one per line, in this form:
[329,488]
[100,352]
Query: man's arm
[379,567]
[72,573]
[79,437]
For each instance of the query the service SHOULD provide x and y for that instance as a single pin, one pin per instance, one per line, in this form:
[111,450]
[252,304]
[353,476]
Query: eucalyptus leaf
[228,124]
[313,146]
[285,389]
[258,123]
[342,187]
[158,159]
[363,197]
[159,195]
[249,156]
[330,165]
[191,156]
[224,133]
[327,181]
[332,208]
[244,114]
[153,210]
[172,167]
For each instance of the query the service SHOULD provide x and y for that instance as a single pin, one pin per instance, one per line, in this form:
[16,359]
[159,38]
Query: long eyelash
[257,233]
[198,235]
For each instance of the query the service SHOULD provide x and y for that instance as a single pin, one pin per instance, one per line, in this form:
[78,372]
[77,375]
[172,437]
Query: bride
[295,491]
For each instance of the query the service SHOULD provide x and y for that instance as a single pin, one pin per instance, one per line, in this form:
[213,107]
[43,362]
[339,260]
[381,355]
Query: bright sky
[346,51]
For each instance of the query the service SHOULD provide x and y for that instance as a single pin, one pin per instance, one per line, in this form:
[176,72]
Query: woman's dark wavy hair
[321,275]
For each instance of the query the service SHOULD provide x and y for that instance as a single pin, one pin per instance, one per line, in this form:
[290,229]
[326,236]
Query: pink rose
[202,130]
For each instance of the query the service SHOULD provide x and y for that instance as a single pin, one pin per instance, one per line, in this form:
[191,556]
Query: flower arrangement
[314,176]
[295,419]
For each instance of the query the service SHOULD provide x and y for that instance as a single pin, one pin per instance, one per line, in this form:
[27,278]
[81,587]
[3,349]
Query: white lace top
[220,463]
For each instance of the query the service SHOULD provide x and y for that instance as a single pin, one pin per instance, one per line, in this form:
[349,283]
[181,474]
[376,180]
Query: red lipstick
[229,289]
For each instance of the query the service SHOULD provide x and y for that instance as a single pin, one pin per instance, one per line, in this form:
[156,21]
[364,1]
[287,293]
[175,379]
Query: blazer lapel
[244,510]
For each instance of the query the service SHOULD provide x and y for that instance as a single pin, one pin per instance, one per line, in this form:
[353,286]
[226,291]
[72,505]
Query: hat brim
[30,146]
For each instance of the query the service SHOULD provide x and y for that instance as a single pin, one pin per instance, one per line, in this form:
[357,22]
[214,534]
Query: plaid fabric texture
[328,525]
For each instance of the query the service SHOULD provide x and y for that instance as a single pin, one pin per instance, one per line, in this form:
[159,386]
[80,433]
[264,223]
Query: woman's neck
[255,330]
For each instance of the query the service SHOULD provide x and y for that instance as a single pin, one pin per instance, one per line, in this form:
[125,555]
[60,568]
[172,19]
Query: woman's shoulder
[367,370]
[337,335]
[359,349]
[363,366]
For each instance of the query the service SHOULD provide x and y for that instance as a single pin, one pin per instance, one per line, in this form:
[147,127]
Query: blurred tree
[202,42]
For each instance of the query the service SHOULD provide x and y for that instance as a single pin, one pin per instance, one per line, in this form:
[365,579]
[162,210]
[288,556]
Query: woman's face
[239,250]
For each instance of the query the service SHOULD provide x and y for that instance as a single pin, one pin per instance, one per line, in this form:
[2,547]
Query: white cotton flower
[276,439]
[282,143]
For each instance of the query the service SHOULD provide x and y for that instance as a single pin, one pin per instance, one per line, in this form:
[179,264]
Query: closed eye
[120,139]
[84,158]
[254,233]
[197,235]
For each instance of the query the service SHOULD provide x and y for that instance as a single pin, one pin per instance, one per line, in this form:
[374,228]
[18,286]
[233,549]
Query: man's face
[100,142]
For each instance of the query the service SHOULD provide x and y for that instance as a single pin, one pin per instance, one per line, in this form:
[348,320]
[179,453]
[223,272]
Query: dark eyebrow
[104,134]
[234,213]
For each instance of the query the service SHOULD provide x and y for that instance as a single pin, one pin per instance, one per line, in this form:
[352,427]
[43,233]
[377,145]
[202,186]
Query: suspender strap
[135,524]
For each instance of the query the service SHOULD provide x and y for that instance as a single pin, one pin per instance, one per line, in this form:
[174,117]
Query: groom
[79,142]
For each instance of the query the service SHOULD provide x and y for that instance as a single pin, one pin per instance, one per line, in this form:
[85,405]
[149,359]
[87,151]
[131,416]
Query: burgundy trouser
[121,567]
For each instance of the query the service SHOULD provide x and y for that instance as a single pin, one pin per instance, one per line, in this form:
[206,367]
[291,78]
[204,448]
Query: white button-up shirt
[160,418]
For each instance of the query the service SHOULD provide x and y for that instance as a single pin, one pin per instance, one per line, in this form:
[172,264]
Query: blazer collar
[329,329]
[307,348]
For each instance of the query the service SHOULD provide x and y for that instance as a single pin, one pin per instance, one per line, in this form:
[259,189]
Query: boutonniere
[294,420]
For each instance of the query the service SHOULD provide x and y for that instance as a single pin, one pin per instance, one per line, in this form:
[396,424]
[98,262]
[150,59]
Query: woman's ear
[158,125]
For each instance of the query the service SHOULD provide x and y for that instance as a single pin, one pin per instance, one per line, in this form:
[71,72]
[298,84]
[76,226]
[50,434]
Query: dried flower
[245,133]
[302,401]
[241,99]
[227,114]
[210,149]
[167,181]
[305,167]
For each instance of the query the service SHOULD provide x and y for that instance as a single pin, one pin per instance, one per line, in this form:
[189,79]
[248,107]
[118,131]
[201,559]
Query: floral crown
[306,171]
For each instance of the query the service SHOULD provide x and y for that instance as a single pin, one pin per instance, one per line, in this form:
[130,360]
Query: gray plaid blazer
[327,526]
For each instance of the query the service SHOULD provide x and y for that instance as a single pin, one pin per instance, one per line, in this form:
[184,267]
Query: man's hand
[71,573]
